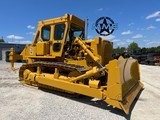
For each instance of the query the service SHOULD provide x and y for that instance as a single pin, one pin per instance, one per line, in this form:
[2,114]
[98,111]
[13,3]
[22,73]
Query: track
[49,65]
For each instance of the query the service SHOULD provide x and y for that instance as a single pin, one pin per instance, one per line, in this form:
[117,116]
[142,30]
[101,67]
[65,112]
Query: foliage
[152,49]
[133,46]
[119,49]
[2,40]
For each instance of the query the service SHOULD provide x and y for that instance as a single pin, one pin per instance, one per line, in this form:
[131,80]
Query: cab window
[59,31]
[46,33]
[76,31]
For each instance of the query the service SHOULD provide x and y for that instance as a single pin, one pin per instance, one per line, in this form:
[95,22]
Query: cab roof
[67,17]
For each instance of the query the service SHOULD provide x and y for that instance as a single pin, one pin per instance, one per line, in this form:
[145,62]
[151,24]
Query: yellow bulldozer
[61,58]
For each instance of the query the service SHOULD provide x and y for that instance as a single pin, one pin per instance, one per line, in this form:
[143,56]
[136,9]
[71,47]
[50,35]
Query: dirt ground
[18,102]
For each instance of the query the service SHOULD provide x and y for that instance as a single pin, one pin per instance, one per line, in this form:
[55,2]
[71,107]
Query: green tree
[133,46]
[122,49]
[144,49]
[119,50]
[158,49]
[2,40]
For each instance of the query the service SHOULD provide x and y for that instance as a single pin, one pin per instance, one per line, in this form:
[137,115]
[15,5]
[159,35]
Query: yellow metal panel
[77,21]
[102,49]
[50,57]
[59,53]
[94,83]
[42,48]
[73,87]
[106,49]
[32,51]
[130,97]
[97,40]
[54,20]
[113,103]
[114,89]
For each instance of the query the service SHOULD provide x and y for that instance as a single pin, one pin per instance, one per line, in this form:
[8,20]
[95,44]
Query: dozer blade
[123,83]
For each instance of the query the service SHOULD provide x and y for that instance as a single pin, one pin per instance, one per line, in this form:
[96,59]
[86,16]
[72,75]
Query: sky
[138,20]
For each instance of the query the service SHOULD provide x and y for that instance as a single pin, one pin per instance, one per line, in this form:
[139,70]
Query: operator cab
[58,34]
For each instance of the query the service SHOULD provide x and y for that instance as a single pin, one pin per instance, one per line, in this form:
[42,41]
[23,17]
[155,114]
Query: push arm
[82,44]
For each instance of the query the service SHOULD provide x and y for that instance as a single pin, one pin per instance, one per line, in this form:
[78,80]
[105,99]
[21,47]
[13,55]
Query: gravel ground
[19,102]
